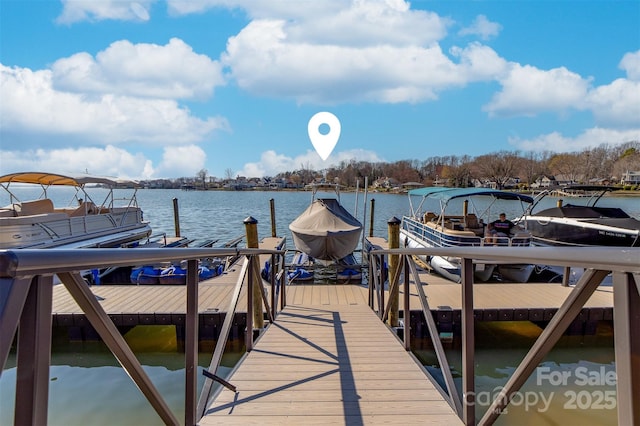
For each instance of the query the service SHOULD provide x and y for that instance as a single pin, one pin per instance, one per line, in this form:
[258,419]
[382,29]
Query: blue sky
[161,89]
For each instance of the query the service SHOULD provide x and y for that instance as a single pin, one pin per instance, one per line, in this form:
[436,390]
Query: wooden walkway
[329,364]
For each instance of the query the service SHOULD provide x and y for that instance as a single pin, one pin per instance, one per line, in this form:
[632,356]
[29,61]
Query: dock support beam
[34,354]
[406,304]
[626,322]
[191,345]
[468,345]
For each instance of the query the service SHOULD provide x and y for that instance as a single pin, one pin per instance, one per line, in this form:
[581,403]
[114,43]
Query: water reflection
[575,384]
[88,386]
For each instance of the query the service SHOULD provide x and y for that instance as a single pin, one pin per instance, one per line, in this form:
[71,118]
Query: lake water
[220,214]
[572,386]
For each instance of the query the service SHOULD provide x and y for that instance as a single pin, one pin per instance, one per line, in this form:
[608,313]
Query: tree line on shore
[601,165]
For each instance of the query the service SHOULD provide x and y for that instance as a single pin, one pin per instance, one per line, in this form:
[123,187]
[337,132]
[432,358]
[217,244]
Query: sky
[153,89]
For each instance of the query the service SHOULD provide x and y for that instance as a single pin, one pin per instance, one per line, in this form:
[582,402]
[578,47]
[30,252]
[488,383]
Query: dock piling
[394,291]
[176,217]
[272,208]
[251,228]
[373,206]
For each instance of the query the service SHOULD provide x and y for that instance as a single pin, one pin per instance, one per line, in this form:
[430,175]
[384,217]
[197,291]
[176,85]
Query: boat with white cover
[326,230]
[83,222]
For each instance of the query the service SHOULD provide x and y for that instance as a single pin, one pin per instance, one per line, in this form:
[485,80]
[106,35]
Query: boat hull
[550,231]
[448,267]
[584,224]
[58,230]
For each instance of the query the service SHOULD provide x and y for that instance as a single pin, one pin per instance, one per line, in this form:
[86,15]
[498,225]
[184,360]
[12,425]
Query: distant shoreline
[620,193]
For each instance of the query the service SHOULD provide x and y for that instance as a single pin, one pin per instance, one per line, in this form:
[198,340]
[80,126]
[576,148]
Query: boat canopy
[48,179]
[427,191]
[445,194]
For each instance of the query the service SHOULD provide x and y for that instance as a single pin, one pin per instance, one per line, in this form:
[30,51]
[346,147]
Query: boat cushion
[28,208]
[471,221]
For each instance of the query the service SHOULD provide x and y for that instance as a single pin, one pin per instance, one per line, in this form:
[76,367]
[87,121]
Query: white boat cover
[325,230]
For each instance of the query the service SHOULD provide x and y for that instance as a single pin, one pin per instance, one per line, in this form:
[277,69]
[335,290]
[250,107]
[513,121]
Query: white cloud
[590,138]
[483,28]
[148,70]
[337,22]
[616,104]
[324,53]
[330,73]
[527,90]
[349,51]
[306,11]
[107,161]
[369,23]
[90,10]
[479,63]
[181,161]
[272,163]
[631,64]
[33,107]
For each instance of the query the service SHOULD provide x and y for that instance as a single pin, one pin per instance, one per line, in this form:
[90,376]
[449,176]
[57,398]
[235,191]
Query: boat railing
[456,235]
[599,263]
[26,291]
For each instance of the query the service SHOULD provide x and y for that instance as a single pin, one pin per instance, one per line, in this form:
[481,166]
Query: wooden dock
[328,359]
[133,305]
[333,363]
[166,305]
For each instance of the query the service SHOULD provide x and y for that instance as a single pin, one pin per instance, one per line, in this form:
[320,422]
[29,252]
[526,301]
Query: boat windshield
[590,193]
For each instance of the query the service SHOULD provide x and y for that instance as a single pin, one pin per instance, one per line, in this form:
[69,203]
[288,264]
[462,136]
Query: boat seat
[429,216]
[453,226]
[29,208]
[472,224]
[85,208]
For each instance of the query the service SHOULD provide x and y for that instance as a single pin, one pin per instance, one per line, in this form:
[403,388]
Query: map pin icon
[324,144]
